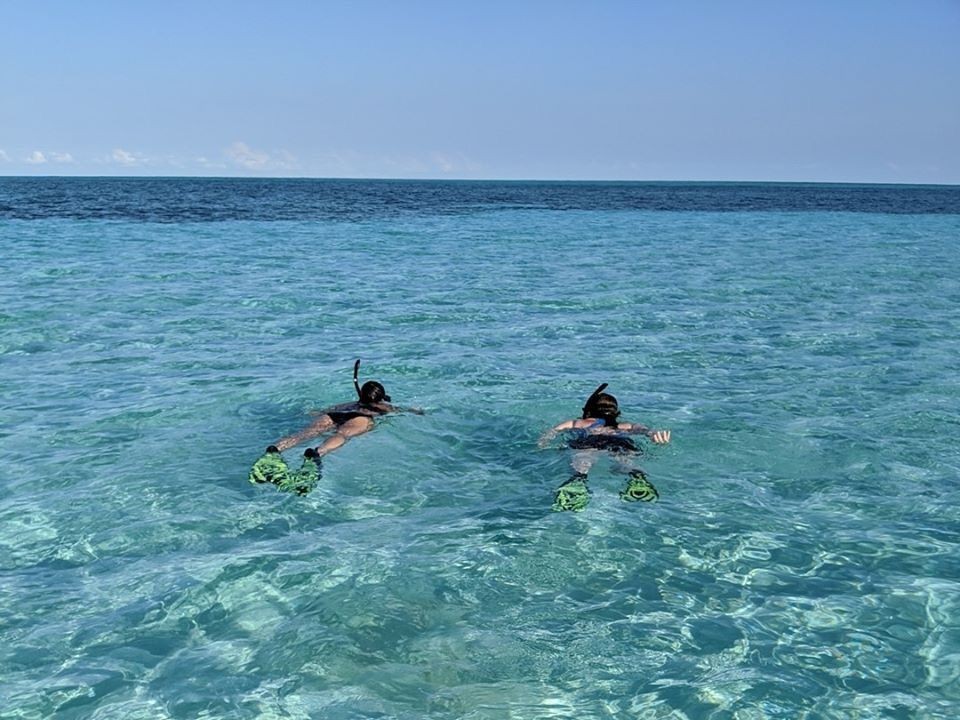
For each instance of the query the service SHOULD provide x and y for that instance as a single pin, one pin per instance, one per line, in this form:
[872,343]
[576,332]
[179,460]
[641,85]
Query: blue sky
[832,90]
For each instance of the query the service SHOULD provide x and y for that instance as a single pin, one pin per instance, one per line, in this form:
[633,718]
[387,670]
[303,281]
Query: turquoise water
[803,560]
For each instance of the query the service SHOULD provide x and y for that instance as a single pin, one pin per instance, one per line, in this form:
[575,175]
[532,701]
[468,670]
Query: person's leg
[582,461]
[351,428]
[271,467]
[574,494]
[319,426]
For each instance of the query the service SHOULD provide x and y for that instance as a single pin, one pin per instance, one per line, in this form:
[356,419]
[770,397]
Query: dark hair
[373,392]
[602,405]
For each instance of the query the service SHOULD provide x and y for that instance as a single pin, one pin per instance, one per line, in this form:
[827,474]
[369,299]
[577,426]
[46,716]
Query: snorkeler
[599,429]
[346,420]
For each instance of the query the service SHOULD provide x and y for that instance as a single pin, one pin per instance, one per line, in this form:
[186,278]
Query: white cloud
[207,164]
[38,157]
[246,157]
[455,164]
[400,166]
[433,164]
[124,157]
[4,157]
[444,163]
[286,160]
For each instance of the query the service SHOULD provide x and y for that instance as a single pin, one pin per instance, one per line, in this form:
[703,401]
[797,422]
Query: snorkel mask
[372,392]
[602,405]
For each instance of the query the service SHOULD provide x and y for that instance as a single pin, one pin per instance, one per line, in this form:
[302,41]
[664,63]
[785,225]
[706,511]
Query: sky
[752,90]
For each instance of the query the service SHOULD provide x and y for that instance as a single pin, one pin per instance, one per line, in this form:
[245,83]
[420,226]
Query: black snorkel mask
[602,406]
[370,388]
[588,405]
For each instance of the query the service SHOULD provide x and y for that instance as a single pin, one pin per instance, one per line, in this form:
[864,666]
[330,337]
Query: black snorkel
[372,393]
[587,406]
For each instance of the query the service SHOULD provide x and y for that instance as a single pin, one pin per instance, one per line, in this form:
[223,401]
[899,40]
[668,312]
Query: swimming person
[346,420]
[599,429]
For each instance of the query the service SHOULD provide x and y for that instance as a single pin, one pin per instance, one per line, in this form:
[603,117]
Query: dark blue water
[175,200]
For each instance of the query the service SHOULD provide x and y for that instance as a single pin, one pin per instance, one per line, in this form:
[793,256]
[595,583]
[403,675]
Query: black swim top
[582,439]
[339,417]
[612,443]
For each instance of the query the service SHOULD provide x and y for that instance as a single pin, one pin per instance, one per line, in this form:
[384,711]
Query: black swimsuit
[339,417]
[615,443]
[612,443]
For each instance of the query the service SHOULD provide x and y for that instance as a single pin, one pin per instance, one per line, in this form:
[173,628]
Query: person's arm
[552,433]
[660,437]
[397,409]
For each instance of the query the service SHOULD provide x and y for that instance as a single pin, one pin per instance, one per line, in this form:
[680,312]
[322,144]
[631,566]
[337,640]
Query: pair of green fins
[272,468]
[574,494]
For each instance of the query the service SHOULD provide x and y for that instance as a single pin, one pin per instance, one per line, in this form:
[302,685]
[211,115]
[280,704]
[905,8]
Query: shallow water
[800,341]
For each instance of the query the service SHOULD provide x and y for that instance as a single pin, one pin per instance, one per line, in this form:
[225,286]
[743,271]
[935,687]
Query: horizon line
[479,180]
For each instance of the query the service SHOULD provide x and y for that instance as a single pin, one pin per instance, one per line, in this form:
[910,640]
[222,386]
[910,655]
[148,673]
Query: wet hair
[372,392]
[602,405]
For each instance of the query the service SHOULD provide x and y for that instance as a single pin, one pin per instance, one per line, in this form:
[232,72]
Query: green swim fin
[638,488]
[572,495]
[270,468]
[306,478]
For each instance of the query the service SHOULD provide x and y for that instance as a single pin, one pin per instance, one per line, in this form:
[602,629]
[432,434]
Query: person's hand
[660,437]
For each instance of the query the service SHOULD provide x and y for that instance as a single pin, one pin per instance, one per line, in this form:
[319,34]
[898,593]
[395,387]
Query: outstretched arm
[414,410]
[384,408]
[552,433]
[660,437]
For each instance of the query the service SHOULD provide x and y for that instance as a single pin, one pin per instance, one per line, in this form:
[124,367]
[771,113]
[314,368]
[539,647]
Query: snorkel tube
[356,383]
[587,406]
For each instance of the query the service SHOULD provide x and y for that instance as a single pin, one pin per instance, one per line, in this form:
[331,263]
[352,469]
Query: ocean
[801,341]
